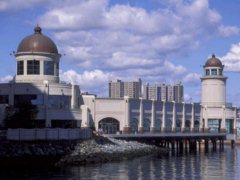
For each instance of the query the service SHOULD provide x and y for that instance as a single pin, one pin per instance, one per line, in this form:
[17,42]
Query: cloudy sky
[156,40]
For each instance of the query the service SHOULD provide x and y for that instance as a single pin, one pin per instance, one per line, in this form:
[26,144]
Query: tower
[37,59]
[213,83]
[213,95]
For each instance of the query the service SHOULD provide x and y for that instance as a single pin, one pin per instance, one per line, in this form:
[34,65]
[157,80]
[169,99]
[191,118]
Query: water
[212,165]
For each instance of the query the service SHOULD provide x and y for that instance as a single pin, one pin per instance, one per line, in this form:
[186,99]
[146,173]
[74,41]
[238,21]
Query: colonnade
[163,118]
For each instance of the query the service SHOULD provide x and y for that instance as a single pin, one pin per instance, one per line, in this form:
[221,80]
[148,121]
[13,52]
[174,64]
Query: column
[223,122]
[153,117]
[140,128]
[183,118]
[11,95]
[74,97]
[235,121]
[163,128]
[46,96]
[85,116]
[126,127]
[192,118]
[174,117]
[201,120]
[206,129]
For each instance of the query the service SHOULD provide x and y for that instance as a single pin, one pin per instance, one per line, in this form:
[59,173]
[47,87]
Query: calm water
[211,165]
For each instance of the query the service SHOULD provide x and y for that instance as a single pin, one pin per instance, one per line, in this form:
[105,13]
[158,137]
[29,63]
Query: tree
[22,116]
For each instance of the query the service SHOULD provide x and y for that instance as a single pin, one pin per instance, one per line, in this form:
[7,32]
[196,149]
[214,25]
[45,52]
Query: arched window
[146,125]
[109,125]
[188,123]
[158,124]
[134,125]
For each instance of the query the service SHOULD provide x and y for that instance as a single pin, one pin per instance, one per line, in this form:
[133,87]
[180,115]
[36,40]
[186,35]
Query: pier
[178,141]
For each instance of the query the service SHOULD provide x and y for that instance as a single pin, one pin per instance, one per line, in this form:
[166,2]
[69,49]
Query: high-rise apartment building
[119,89]
[163,92]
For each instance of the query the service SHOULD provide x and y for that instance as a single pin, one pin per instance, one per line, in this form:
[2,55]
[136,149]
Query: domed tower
[213,83]
[37,59]
[213,96]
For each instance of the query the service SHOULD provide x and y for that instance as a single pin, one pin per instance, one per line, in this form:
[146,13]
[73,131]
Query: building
[216,115]
[37,82]
[61,105]
[163,92]
[119,89]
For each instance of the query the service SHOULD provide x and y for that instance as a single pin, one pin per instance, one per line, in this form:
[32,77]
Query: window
[57,69]
[207,72]
[48,68]
[19,67]
[214,72]
[220,72]
[3,99]
[33,67]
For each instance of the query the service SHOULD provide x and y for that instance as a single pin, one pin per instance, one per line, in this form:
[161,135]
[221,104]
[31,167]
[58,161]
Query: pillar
[201,120]
[206,129]
[140,128]
[183,118]
[152,129]
[85,116]
[163,128]
[235,121]
[46,96]
[174,117]
[74,99]
[223,122]
[126,128]
[192,118]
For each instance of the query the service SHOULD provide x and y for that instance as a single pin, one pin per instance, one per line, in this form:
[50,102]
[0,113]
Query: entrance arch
[109,125]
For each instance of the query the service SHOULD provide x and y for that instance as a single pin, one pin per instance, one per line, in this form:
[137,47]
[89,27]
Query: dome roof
[37,43]
[213,62]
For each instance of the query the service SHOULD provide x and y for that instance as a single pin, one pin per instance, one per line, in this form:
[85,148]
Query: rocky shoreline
[96,150]
[101,150]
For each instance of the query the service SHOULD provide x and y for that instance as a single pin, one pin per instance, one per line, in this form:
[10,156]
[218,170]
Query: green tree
[22,116]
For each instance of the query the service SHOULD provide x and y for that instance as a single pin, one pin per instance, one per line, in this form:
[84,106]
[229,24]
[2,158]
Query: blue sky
[156,40]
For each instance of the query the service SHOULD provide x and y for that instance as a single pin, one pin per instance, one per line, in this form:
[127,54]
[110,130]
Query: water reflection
[211,165]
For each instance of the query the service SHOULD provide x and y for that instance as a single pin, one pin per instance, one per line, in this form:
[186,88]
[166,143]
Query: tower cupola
[37,59]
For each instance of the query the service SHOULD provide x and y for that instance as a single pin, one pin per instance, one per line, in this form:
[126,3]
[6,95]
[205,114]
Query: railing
[48,134]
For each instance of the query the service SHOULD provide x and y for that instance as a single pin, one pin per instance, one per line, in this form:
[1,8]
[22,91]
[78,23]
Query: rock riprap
[101,150]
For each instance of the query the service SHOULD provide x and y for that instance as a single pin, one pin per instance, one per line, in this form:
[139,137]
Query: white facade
[216,115]
[130,115]
[37,82]
[62,105]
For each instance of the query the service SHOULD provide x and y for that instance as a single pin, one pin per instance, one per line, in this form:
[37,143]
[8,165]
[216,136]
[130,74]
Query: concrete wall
[48,134]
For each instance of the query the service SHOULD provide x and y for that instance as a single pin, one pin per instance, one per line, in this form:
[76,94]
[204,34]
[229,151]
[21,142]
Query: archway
[109,125]
[134,125]
[146,125]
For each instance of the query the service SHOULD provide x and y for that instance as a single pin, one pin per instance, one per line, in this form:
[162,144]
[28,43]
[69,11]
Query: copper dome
[213,62]
[37,43]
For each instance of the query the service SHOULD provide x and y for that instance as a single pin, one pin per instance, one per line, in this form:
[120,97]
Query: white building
[37,81]
[216,115]
[162,92]
[62,105]
[119,89]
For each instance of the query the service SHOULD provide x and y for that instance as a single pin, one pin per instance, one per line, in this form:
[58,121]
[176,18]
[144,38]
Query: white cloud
[228,30]
[95,33]
[94,80]
[192,79]
[231,60]
[6,79]
[16,5]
